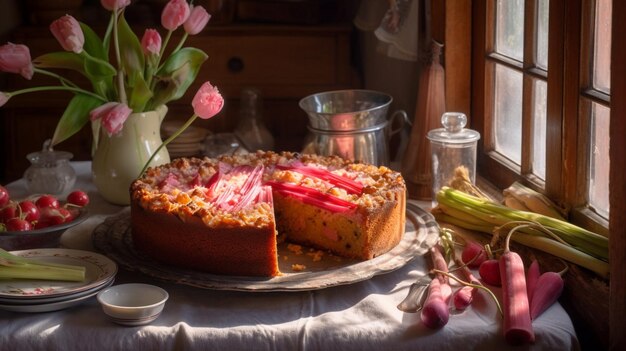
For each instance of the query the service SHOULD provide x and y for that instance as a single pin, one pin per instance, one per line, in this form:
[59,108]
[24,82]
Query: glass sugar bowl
[453,150]
[50,172]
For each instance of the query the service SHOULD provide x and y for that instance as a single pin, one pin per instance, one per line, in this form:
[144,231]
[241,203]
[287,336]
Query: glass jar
[453,149]
[251,129]
[50,172]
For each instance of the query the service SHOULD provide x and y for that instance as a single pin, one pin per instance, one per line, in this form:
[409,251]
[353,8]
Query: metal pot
[350,123]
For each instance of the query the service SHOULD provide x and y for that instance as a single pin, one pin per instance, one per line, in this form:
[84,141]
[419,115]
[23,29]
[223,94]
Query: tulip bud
[69,34]
[151,42]
[16,59]
[112,115]
[174,14]
[198,18]
[207,102]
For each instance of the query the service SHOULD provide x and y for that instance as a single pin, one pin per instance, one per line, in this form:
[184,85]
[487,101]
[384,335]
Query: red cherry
[78,198]
[4,196]
[18,225]
[7,212]
[47,201]
[30,212]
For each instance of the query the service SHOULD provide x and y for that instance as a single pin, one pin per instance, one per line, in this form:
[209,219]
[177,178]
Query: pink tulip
[112,115]
[16,59]
[198,18]
[4,98]
[69,34]
[207,102]
[114,4]
[151,42]
[174,14]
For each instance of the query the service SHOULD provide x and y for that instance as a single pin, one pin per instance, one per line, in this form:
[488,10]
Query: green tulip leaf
[130,50]
[93,45]
[97,68]
[177,74]
[61,60]
[140,95]
[193,56]
[76,115]
[104,87]
[164,91]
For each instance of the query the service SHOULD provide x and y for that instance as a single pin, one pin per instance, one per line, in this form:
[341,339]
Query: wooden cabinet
[285,62]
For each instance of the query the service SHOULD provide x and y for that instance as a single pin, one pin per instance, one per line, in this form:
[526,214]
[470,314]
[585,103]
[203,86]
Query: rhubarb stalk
[518,327]
[435,313]
[351,186]
[312,196]
[548,289]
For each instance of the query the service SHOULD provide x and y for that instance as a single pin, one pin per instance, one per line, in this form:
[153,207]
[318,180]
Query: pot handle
[404,121]
[404,126]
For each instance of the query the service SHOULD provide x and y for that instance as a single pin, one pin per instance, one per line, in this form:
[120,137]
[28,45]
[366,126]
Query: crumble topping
[183,187]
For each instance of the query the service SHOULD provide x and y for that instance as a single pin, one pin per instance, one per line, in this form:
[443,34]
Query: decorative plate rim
[55,305]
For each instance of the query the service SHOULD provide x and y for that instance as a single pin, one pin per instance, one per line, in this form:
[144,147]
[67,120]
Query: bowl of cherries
[39,220]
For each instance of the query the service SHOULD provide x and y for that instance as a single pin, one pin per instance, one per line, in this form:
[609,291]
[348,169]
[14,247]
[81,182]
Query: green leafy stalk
[586,241]
[167,141]
[565,252]
[41,272]
[56,87]
[443,217]
[64,81]
[180,43]
[121,91]
[16,267]
[168,36]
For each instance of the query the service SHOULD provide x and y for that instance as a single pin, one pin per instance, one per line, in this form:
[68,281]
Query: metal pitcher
[352,124]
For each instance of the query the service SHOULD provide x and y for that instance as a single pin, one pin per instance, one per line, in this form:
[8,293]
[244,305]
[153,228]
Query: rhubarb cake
[227,215]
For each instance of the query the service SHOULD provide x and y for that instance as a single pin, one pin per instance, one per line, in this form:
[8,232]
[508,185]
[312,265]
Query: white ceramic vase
[118,159]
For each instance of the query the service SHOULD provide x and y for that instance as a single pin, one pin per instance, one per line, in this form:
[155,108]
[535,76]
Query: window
[541,99]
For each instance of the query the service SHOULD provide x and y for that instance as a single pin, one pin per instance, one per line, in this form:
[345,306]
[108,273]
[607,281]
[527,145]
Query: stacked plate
[189,143]
[21,295]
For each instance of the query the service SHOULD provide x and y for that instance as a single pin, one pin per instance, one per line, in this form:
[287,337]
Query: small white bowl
[133,304]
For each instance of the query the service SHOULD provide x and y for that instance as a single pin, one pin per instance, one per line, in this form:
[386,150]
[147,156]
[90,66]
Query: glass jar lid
[453,131]
[48,158]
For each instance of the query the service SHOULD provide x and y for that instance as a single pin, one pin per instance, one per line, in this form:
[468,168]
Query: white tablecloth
[360,316]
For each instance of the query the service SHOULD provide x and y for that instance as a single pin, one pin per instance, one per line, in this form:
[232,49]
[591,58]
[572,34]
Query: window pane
[602,47]
[508,113]
[510,28]
[540,94]
[599,160]
[542,33]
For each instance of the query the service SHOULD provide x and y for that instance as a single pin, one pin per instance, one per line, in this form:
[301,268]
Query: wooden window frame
[566,174]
